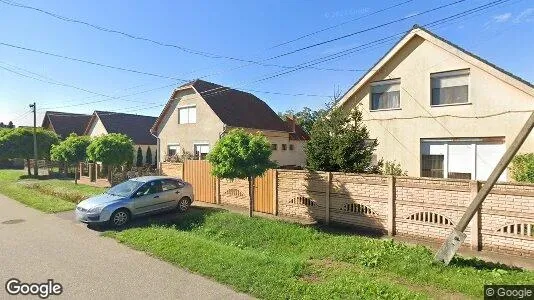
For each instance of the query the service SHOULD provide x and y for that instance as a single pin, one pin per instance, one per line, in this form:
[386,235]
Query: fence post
[183,170]
[92,175]
[327,200]
[474,187]
[391,205]
[275,192]
[218,190]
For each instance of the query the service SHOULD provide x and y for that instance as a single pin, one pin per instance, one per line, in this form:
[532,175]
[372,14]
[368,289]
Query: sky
[221,32]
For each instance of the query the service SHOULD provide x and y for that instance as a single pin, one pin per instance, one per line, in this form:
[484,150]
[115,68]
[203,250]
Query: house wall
[284,157]
[207,128]
[399,131]
[97,129]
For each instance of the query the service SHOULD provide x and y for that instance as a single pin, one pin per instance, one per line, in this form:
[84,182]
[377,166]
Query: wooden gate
[198,174]
[264,192]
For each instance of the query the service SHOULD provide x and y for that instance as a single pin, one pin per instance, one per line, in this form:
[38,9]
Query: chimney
[290,121]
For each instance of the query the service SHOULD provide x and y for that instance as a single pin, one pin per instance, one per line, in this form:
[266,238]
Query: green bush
[393,168]
[523,167]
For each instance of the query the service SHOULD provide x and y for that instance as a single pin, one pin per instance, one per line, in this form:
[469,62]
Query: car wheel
[184,204]
[119,218]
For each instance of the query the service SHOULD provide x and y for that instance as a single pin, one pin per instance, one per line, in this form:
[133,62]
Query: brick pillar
[391,206]
[327,200]
[474,187]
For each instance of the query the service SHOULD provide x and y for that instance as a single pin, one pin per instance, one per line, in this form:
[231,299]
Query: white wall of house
[400,131]
[97,129]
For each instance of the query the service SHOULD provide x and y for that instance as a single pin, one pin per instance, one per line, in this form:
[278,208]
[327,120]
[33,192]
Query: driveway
[35,247]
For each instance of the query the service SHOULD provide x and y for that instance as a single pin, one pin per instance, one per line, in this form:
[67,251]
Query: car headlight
[95,210]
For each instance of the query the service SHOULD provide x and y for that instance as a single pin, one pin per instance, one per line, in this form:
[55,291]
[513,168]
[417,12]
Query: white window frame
[452,73]
[201,144]
[396,81]
[174,145]
[188,108]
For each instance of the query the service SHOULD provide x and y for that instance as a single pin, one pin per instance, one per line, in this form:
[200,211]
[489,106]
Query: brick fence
[424,208]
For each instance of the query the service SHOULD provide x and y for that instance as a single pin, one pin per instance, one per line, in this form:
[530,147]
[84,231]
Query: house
[439,110]
[134,126]
[200,112]
[63,124]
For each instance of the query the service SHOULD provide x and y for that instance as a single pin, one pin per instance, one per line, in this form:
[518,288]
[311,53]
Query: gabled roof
[136,127]
[64,123]
[448,46]
[235,108]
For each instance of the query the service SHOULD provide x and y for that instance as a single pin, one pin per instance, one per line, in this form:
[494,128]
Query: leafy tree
[148,159]
[241,155]
[523,167]
[18,143]
[340,142]
[112,150]
[305,118]
[10,124]
[139,162]
[72,150]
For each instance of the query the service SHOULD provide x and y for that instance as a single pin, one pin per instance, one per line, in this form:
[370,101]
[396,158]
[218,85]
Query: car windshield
[124,189]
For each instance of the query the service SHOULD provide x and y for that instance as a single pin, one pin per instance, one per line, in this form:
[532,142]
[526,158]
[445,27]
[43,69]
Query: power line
[367,45]
[189,50]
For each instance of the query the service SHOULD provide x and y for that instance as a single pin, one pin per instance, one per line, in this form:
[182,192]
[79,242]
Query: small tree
[393,168]
[241,155]
[18,143]
[112,150]
[139,161]
[148,159]
[73,150]
[340,142]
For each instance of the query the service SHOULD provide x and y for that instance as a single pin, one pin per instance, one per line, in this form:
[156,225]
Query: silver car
[136,197]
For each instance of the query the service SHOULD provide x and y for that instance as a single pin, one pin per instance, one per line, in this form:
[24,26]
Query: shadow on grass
[45,177]
[479,264]
[189,220]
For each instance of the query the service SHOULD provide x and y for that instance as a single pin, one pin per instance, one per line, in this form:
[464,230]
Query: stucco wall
[207,128]
[399,131]
[97,129]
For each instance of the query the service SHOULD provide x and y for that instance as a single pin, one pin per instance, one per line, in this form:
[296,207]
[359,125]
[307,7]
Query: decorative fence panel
[198,173]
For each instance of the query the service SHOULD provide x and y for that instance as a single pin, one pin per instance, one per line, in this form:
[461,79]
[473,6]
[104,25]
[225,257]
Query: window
[149,188]
[274,146]
[169,185]
[385,94]
[201,150]
[432,165]
[173,150]
[187,115]
[284,147]
[291,147]
[450,87]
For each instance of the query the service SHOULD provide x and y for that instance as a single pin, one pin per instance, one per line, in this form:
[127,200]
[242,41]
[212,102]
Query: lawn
[274,259]
[51,195]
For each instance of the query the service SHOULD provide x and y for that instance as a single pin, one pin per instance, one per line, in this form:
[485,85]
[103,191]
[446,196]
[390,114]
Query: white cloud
[502,18]
[525,16]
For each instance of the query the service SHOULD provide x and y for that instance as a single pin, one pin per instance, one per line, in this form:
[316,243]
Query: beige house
[134,126]
[199,113]
[439,110]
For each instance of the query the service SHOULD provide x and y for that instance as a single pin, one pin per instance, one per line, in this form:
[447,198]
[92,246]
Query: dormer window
[385,94]
[187,115]
[450,87]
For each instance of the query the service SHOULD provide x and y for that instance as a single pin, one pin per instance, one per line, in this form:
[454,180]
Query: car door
[148,198]
[171,192]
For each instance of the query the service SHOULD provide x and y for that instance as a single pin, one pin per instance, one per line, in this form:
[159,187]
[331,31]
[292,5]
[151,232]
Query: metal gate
[198,174]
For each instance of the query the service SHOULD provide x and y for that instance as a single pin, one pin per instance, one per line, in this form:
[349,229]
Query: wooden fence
[424,208]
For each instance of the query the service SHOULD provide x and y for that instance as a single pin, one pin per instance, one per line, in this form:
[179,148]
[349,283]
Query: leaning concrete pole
[457,236]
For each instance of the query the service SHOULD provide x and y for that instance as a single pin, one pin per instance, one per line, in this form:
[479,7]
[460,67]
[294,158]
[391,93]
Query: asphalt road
[35,247]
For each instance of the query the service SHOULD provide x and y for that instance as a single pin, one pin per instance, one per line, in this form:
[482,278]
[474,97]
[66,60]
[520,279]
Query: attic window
[187,115]
[385,94]
[450,87]
[274,146]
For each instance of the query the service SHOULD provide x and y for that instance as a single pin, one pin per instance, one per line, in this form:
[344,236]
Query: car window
[169,185]
[148,188]
[124,189]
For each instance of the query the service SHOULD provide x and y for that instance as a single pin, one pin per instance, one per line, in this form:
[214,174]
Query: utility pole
[457,236]
[35,166]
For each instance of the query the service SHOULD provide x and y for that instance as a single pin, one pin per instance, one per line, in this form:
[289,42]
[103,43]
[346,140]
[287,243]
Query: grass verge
[275,259]
[49,196]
